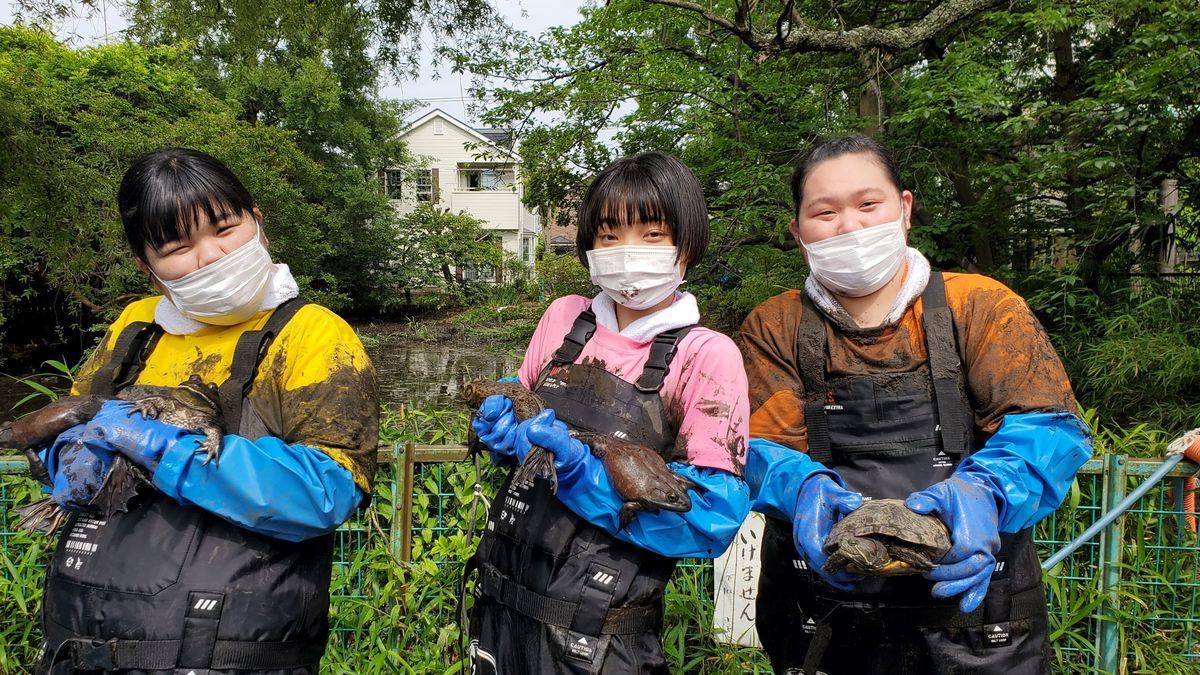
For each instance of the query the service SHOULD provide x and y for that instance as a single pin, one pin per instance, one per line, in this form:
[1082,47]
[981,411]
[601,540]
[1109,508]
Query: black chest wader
[556,594]
[888,436]
[172,589]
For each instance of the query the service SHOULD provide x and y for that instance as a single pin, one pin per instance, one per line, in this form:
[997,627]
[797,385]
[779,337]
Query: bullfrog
[639,474]
[193,405]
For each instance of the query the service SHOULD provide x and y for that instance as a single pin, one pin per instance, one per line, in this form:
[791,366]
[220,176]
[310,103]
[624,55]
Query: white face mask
[861,262]
[225,292]
[638,277]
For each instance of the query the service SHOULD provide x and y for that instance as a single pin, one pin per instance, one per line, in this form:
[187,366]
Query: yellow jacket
[315,387]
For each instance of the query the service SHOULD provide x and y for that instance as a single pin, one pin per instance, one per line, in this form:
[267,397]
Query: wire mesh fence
[1131,595]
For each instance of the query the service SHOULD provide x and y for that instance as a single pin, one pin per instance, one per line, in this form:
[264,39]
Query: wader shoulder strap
[658,364]
[129,354]
[945,367]
[581,331]
[810,361]
[247,355]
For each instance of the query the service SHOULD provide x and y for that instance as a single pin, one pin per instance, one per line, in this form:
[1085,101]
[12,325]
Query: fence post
[406,503]
[396,530]
[1108,647]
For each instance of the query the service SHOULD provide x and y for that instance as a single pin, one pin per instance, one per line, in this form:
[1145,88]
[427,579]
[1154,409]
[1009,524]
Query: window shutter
[433,174]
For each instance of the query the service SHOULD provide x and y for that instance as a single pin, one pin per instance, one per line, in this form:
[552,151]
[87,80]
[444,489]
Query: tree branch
[703,11]
[804,37]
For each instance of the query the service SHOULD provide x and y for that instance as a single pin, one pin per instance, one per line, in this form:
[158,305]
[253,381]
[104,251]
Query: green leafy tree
[71,121]
[1029,133]
[432,244]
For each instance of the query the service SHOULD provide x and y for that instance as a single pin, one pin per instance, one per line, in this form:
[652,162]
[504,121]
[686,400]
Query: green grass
[389,616]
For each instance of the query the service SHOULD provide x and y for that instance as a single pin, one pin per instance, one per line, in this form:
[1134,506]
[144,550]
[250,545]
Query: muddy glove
[969,503]
[141,440]
[78,463]
[496,426]
[822,502]
[547,432]
[787,484]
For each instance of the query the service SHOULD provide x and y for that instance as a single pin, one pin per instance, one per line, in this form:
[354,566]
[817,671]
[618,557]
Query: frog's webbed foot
[539,463]
[211,445]
[150,407]
[43,515]
[122,484]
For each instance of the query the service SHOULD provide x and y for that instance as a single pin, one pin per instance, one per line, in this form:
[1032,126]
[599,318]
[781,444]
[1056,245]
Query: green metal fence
[1132,594]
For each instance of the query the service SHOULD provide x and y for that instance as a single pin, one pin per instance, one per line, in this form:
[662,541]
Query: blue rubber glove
[78,462]
[496,426]
[719,504]
[822,502]
[142,440]
[969,502]
[1033,458]
[551,434]
[289,492]
[787,484]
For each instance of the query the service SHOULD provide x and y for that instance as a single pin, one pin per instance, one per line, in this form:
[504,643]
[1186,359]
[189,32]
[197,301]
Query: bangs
[169,193]
[166,218]
[630,204]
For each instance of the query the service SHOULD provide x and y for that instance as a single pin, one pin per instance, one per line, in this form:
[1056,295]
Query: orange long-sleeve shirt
[1011,367]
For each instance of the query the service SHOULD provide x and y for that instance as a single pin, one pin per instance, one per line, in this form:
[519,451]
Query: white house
[471,170]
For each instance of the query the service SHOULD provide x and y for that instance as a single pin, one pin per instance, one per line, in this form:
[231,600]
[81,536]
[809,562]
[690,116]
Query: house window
[392,182]
[527,249]
[425,186]
[479,273]
[438,128]
[484,178]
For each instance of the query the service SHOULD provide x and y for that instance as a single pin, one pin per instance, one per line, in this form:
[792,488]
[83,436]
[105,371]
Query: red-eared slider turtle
[884,538]
[639,474]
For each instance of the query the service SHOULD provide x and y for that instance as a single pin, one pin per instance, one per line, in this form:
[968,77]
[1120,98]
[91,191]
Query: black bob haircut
[646,188]
[164,192]
[836,147]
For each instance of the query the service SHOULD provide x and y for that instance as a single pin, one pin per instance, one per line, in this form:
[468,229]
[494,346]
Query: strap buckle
[93,654]
[658,364]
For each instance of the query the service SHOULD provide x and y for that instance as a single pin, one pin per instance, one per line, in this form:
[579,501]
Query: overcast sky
[436,86]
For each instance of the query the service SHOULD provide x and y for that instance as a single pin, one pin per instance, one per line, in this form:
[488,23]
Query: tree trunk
[870,104]
[981,244]
[1168,202]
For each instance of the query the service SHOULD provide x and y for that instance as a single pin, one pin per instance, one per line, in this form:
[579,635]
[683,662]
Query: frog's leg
[211,445]
[150,407]
[626,514]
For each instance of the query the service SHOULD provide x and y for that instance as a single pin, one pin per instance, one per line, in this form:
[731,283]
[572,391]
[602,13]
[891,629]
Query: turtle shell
[891,522]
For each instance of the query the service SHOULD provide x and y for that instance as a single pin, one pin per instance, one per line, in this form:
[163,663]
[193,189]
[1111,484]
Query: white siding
[500,210]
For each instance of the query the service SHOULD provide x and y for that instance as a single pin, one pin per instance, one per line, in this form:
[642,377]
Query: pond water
[417,374]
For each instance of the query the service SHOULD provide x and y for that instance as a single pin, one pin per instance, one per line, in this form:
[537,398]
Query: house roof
[501,137]
[498,139]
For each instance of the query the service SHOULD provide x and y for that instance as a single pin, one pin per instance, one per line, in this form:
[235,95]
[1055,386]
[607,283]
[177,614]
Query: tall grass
[392,616]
